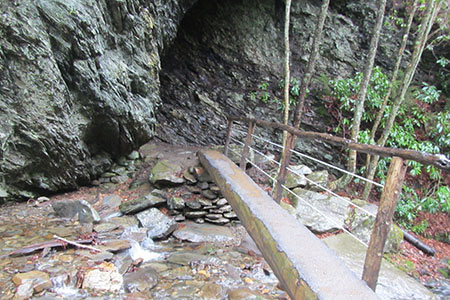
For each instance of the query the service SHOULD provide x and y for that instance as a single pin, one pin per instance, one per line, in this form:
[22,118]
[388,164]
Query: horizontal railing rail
[391,190]
[438,160]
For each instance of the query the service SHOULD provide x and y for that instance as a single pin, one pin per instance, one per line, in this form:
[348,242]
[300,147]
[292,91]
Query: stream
[167,269]
[145,241]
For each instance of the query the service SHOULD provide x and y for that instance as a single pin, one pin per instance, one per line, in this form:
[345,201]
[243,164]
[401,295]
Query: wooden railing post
[248,140]
[383,221]
[284,163]
[228,137]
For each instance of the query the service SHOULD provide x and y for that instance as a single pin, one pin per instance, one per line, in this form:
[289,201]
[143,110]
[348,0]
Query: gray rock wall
[225,49]
[79,83]
[85,81]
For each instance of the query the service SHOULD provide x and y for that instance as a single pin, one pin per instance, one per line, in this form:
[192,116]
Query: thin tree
[425,27]
[378,118]
[359,108]
[290,139]
[287,75]
[311,63]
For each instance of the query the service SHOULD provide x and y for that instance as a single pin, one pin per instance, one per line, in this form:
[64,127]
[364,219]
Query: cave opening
[222,51]
[225,50]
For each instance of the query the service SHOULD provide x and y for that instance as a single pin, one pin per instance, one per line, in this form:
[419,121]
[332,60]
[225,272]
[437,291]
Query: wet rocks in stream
[81,208]
[166,232]
[158,243]
[31,282]
[158,224]
[103,278]
[141,280]
[141,203]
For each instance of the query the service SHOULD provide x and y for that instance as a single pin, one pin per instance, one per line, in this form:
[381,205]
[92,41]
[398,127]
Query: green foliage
[421,227]
[264,94]
[411,118]
[443,75]
[346,91]
[428,93]
[393,21]
[443,62]
[410,204]
[324,83]
[406,211]
[440,129]
[439,202]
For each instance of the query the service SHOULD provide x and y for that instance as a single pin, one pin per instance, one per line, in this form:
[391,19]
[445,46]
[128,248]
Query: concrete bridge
[305,266]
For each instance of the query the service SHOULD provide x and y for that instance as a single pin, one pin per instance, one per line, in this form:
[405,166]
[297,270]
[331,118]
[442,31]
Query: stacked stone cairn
[202,201]
[120,171]
[188,194]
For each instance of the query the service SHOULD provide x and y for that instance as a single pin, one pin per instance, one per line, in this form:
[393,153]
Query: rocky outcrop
[226,49]
[79,84]
[84,82]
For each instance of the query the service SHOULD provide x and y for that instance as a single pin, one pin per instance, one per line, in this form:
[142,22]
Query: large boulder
[320,179]
[361,225]
[79,83]
[328,214]
[166,173]
[69,209]
[158,224]
[295,177]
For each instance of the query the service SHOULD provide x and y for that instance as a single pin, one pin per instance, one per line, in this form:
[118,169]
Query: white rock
[103,279]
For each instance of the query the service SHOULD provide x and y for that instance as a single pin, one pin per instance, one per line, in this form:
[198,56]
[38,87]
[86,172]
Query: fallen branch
[49,244]
[418,243]
[76,244]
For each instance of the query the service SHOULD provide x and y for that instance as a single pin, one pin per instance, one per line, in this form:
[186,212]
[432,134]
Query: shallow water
[202,270]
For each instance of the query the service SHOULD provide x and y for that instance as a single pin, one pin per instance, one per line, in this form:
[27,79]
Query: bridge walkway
[306,268]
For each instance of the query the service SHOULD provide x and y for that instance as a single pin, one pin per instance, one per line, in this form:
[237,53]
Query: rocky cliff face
[79,83]
[83,82]
[226,49]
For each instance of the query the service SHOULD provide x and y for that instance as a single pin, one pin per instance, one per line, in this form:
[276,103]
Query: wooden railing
[390,193]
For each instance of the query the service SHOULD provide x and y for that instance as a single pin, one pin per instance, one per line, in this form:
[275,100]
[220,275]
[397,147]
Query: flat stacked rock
[177,194]
[122,170]
[202,201]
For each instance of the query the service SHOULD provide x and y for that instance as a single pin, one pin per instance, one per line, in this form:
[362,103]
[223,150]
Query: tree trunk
[359,109]
[425,28]
[409,73]
[289,140]
[311,63]
[368,185]
[418,243]
[286,66]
